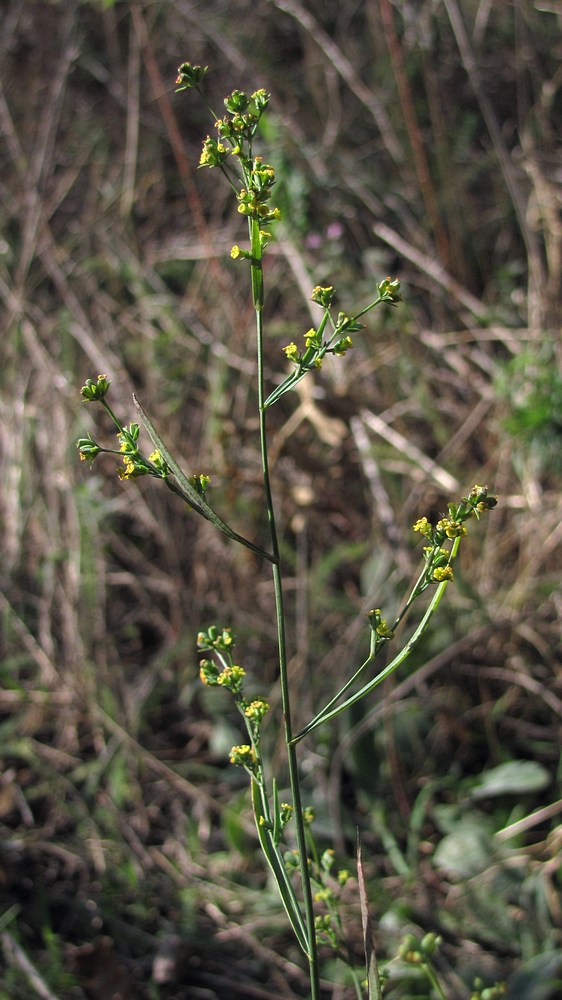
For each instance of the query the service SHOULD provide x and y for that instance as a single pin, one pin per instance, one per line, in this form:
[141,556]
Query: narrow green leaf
[325,715]
[278,869]
[190,494]
[289,383]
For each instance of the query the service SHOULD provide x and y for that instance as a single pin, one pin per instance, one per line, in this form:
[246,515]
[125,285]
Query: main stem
[312,955]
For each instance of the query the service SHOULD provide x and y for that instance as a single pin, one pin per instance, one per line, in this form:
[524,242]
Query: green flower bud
[408,950]
[208,673]
[323,296]
[291,859]
[429,943]
[213,153]
[342,346]
[236,102]
[327,860]
[200,483]
[95,391]
[189,76]
[286,812]
[88,449]
[389,290]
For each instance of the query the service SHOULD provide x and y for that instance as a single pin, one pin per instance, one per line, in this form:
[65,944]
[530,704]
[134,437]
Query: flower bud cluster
[416,951]
[88,449]
[254,198]
[134,462]
[380,631]
[242,119]
[93,392]
[223,672]
[316,342]
[189,76]
[229,676]
[200,483]
[244,756]
[437,558]
[215,638]
[482,992]
[323,296]
[330,884]
[213,153]
[235,132]
[389,291]
[337,340]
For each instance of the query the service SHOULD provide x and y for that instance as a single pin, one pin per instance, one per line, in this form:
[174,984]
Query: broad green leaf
[516,777]
[465,851]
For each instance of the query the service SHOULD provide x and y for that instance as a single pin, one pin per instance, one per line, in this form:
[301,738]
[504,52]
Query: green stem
[312,953]
[326,716]
[430,973]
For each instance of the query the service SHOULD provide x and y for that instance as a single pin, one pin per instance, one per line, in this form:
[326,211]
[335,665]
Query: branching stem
[312,955]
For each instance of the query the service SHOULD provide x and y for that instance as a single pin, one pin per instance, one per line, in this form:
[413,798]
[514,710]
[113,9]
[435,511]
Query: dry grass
[126,849]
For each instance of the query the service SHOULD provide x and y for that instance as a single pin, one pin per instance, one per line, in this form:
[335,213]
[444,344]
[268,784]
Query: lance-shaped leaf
[328,712]
[188,492]
[373,981]
[275,862]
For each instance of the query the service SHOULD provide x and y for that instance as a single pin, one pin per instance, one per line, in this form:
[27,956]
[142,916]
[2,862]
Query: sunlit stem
[257,292]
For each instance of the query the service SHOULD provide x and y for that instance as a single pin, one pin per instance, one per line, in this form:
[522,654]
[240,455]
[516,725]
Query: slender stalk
[326,715]
[312,954]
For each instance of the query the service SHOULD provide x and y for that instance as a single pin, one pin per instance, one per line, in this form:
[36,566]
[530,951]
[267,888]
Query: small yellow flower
[243,756]
[324,896]
[256,710]
[292,351]
[127,470]
[231,677]
[443,573]
[424,527]
[452,529]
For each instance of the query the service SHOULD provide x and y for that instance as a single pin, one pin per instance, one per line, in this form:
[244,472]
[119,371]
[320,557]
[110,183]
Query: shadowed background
[418,140]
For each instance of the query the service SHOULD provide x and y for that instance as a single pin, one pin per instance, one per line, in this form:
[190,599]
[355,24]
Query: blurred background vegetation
[417,139]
